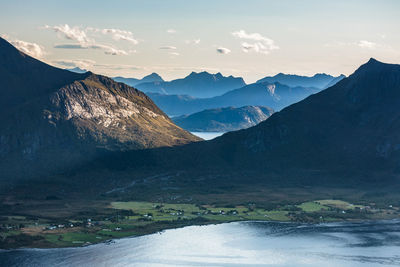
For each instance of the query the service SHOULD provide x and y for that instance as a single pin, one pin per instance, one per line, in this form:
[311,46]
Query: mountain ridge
[273,95]
[196,84]
[223,119]
[153,77]
[318,80]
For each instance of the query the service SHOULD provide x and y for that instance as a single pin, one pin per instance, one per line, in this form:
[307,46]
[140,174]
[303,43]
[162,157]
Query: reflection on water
[235,244]
[208,135]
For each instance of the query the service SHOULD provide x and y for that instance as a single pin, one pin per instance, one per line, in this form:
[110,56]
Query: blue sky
[241,38]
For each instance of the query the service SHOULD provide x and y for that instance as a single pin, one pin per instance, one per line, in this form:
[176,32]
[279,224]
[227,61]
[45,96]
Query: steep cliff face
[65,123]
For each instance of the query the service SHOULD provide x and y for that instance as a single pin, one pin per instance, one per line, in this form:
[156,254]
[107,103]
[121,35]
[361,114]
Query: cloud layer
[83,41]
[255,42]
[366,44]
[168,47]
[118,34]
[32,49]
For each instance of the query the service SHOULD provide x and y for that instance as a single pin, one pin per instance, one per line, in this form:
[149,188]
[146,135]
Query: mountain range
[343,137]
[207,85]
[272,95]
[223,119]
[201,85]
[319,80]
[55,118]
[77,70]
[151,78]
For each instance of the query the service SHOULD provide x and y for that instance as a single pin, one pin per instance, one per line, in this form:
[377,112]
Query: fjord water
[208,135]
[234,244]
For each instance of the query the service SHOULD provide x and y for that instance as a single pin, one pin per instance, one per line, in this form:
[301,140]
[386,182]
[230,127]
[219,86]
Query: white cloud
[93,66]
[223,50]
[118,67]
[168,47]
[118,35]
[195,41]
[71,33]
[174,53]
[171,31]
[360,44]
[32,49]
[109,50]
[366,44]
[81,63]
[260,44]
[84,42]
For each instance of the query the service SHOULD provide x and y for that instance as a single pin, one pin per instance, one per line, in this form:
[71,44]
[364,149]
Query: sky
[252,38]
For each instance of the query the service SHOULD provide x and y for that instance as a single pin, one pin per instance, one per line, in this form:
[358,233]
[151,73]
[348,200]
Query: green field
[133,218]
[312,206]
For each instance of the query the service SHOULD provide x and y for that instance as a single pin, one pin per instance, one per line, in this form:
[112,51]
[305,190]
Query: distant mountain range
[273,95]
[56,118]
[78,70]
[201,85]
[207,85]
[320,80]
[223,119]
[151,78]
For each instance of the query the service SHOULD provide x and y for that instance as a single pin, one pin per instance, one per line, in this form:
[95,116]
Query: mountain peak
[372,61]
[374,65]
[78,70]
[153,76]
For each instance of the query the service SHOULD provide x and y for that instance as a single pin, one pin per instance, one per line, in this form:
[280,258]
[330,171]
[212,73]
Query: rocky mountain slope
[223,119]
[53,118]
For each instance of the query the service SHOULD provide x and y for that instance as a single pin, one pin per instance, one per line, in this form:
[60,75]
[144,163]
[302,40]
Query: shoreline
[133,219]
[110,241]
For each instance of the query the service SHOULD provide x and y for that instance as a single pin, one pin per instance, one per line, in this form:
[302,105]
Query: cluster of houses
[59,226]
[87,223]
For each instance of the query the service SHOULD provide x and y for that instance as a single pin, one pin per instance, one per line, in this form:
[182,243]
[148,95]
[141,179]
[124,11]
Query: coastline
[110,241]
